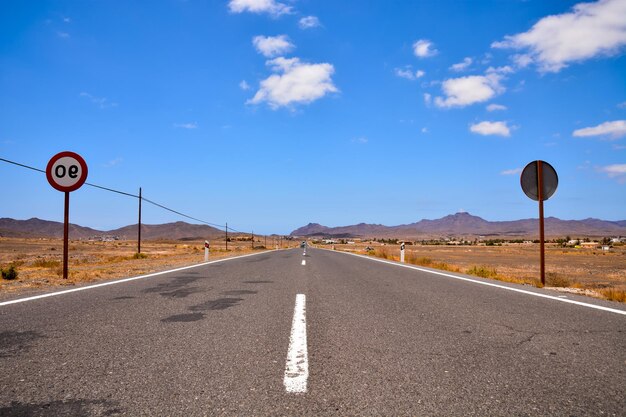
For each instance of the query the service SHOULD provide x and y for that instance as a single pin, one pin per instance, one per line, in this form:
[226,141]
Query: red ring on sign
[83,166]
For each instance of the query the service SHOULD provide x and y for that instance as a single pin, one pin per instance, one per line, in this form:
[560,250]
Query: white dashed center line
[303,262]
[297,366]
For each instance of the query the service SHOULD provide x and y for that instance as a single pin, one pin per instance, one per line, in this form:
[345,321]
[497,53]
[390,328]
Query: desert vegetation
[570,267]
[36,263]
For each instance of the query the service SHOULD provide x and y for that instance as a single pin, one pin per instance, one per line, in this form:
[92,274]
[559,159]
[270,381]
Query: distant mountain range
[43,228]
[464,224]
[459,224]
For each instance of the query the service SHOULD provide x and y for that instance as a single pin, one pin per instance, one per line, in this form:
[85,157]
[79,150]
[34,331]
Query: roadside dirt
[39,262]
[585,268]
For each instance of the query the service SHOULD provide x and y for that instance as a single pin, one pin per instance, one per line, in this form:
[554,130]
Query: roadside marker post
[206,250]
[539,181]
[402,252]
[66,172]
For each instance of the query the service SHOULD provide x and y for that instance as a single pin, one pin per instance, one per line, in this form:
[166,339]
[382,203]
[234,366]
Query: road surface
[329,333]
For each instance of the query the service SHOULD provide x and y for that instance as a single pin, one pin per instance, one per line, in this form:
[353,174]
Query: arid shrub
[9,273]
[482,271]
[555,280]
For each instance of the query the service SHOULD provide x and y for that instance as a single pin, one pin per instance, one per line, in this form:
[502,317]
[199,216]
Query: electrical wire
[182,214]
[134,196]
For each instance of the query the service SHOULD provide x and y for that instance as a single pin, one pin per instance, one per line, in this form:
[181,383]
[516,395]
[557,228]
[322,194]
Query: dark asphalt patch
[173,285]
[73,408]
[183,318]
[124,297]
[239,292]
[13,343]
[258,282]
[182,293]
[219,304]
[210,305]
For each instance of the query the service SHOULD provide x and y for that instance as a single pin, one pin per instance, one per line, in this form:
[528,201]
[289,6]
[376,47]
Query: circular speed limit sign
[66,171]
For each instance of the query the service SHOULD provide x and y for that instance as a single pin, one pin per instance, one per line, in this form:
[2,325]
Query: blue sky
[271,114]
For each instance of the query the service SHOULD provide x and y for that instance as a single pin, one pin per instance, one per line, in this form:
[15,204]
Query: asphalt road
[380,340]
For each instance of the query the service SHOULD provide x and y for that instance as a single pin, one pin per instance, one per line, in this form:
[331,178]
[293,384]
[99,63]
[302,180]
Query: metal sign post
[539,182]
[542,249]
[66,172]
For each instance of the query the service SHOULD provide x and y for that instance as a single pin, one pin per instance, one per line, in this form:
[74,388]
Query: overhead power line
[87,183]
[181,214]
[134,196]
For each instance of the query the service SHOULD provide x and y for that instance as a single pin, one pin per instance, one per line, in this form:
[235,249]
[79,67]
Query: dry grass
[483,272]
[614,295]
[39,261]
[557,280]
[589,271]
[47,263]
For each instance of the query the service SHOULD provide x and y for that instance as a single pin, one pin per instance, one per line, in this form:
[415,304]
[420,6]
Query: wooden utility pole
[139,225]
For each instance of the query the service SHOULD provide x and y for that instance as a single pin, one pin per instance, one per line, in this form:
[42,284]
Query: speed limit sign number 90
[66,171]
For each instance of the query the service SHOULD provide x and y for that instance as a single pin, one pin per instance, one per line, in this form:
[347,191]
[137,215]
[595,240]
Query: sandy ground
[586,268]
[39,262]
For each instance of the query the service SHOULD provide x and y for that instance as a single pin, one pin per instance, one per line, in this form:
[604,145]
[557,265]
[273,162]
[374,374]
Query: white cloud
[427,99]
[491,128]
[101,102]
[619,147]
[496,107]
[309,22]
[611,130]
[463,91]
[271,7]
[522,60]
[622,105]
[462,66]
[590,30]
[63,35]
[514,171]
[361,140]
[407,72]
[423,48]
[244,85]
[193,125]
[271,46]
[113,162]
[424,130]
[295,82]
[500,70]
[615,171]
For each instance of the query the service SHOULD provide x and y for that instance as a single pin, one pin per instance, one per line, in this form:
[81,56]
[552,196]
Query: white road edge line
[120,281]
[489,284]
[297,366]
